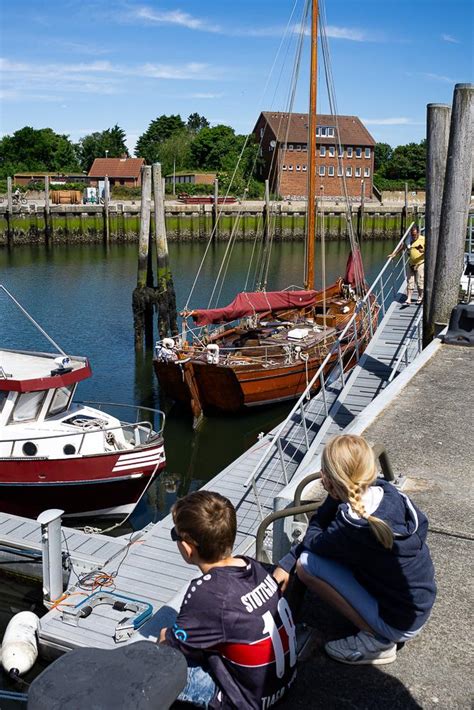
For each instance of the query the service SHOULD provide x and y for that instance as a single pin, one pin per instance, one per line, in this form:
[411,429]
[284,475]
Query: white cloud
[396,121]
[204,96]
[450,38]
[171,17]
[350,33]
[433,77]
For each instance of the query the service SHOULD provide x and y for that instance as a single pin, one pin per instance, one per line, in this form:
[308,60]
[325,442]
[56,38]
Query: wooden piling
[140,295]
[9,214]
[47,211]
[166,296]
[438,117]
[360,211]
[454,209]
[106,210]
[215,211]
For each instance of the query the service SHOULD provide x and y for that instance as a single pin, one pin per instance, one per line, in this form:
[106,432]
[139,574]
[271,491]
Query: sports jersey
[235,624]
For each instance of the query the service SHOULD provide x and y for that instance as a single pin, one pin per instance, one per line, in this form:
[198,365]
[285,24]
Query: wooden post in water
[140,293]
[360,211]
[9,211]
[455,208]
[47,212]
[106,210]
[166,296]
[438,117]
[215,210]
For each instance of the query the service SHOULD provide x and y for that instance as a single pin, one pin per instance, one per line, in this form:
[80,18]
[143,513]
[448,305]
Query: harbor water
[81,295]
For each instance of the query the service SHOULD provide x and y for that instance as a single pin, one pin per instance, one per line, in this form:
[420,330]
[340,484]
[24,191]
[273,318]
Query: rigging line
[255,241]
[210,240]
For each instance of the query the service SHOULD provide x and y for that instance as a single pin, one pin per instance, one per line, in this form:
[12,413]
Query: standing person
[234,627]
[365,553]
[415,244]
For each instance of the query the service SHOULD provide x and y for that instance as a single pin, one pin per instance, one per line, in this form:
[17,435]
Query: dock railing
[296,433]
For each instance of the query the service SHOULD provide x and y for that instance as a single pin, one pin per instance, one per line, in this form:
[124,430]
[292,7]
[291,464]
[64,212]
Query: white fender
[168,343]
[212,354]
[19,648]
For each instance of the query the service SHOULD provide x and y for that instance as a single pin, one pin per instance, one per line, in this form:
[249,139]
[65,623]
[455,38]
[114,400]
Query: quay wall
[86,223]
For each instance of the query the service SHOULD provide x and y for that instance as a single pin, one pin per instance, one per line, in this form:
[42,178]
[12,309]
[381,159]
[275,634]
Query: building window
[331,170]
[332,151]
[367,152]
[318,131]
[339,171]
[324,131]
[322,151]
[349,172]
[290,147]
[340,151]
[290,167]
[305,168]
[330,131]
[366,172]
[349,152]
[283,167]
[322,170]
[298,167]
[358,172]
[358,152]
[304,146]
[298,147]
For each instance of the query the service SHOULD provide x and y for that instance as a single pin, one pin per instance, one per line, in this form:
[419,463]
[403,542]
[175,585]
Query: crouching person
[234,627]
[365,553]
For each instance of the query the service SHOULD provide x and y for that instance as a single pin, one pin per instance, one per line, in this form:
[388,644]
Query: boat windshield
[28,406]
[3,398]
[60,401]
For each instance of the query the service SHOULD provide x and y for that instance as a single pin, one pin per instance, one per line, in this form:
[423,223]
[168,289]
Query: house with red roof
[120,171]
[344,147]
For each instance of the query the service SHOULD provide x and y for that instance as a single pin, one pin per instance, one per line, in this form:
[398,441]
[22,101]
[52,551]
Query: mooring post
[360,211]
[215,210]
[438,117]
[106,210]
[47,221]
[139,298]
[166,297]
[50,521]
[454,209]
[9,211]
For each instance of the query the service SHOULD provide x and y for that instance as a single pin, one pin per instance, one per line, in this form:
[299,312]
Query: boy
[234,627]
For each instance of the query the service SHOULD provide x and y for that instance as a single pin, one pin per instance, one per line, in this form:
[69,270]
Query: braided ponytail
[348,461]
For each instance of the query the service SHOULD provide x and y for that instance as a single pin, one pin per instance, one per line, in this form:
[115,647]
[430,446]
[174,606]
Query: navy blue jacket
[400,579]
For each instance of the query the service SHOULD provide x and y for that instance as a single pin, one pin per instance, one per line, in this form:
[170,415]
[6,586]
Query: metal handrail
[138,408]
[416,327]
[364,302]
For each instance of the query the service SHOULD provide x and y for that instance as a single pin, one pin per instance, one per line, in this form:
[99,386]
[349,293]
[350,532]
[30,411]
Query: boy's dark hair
[209,521]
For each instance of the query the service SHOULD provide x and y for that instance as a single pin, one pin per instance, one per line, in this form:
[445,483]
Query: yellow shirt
[417,251]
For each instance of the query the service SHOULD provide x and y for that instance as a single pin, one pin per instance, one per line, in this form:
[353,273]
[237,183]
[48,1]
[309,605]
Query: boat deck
[151,568]
[16,365]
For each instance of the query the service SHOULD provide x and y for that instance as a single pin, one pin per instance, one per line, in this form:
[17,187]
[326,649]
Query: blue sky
[81,66]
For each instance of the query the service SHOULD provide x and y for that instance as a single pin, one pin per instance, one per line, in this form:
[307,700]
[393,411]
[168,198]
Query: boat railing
[296,433]
[138,408]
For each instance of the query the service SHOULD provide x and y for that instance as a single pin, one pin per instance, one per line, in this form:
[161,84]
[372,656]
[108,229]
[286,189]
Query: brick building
[120,171]
[283,140]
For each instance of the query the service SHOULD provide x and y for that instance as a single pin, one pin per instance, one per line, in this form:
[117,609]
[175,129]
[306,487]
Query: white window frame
[290,146]
[358,172]
[34,400]
[305,168]
[322,151]
[331,132]
[349,151]
[366,172]
[330,170]
[340,171]
[332,151]
[358,152]
[298,167]
[283,167]
[322,171]
[298,147]
[318,131]
[340,151]
[290,168]
[367,152]
[349,171]
[324,131]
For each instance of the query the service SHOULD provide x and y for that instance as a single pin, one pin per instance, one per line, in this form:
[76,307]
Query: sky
[80,66]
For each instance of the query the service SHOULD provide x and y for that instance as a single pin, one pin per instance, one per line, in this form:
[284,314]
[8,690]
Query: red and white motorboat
[57,453]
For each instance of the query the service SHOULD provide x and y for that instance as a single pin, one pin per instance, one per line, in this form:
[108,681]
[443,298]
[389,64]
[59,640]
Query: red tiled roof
[293,128]
[116,167]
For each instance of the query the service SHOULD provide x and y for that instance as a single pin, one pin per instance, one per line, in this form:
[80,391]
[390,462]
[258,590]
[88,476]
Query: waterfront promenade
[427,430]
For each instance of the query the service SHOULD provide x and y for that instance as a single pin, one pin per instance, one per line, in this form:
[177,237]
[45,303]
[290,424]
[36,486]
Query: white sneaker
[362,649]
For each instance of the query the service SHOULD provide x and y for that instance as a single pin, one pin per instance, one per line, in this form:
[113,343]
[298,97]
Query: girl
[365,553]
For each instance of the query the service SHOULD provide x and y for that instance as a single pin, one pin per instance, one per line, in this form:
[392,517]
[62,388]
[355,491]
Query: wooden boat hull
[105,484]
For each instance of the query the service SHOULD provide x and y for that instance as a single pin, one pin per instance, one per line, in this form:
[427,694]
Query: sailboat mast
[311,208]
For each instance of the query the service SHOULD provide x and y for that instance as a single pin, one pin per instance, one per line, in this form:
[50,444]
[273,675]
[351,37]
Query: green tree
[196,123]
[110,142]
[157,132]
[37,149]
[382,155]
[407,162]
[174,152]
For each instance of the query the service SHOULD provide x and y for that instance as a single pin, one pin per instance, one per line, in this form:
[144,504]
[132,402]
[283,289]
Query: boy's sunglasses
[174,535]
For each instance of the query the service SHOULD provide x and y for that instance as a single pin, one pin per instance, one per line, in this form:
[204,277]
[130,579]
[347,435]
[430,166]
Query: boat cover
[248,303]
[354,270]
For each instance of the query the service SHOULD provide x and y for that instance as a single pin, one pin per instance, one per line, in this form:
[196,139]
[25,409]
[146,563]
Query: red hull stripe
[259,653]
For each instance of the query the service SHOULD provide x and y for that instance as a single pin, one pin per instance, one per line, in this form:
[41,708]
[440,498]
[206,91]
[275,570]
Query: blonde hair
[349,464]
